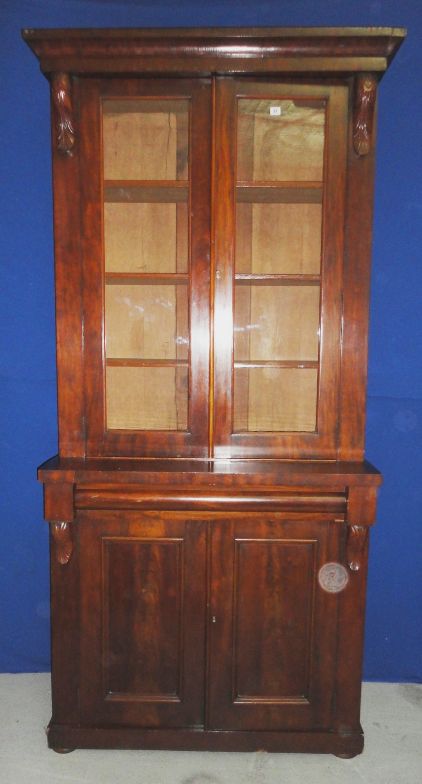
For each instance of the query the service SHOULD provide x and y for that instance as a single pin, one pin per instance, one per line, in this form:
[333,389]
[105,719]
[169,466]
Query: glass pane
[275,399]
[280,162]
[145,237]
[146,258]
[280,140]
[278,238]
[147,322]
[145,139]
[276,323]
[147,398]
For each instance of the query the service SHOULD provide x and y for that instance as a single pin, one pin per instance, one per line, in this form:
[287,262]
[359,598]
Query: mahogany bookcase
[210,504]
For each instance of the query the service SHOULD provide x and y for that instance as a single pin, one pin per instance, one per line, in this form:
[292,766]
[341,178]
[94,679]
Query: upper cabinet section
[213,194]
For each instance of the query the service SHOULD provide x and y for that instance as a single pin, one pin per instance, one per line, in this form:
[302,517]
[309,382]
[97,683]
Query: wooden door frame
[323,442]
[149,443]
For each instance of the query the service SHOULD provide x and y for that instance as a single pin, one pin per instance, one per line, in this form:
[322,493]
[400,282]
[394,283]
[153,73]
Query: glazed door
[279,216]
[142,619]
[274,282]
[273,628]
[145,163]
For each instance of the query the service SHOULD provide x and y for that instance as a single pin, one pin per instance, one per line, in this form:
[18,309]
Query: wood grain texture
[266,670]
[121,497]
[356,282]
[59,501]
[270,646]
[65,637]
[314,742]
[362,505]
[222,50]
[357,536]
[142,618]
[351,627]
[69,307]
[213,473]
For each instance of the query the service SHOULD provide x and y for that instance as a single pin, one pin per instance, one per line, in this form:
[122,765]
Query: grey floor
[391,715]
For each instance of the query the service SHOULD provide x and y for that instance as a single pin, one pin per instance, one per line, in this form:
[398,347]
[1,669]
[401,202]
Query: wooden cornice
[215,50]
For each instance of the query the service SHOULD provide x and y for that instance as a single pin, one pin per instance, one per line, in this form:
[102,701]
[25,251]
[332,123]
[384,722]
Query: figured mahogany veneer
[220,50]
[212,289]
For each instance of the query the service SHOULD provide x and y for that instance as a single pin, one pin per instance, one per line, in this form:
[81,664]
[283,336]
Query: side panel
[68,277]
[357,267]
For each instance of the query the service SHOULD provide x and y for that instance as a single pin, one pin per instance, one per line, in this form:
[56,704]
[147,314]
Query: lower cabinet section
[204,630]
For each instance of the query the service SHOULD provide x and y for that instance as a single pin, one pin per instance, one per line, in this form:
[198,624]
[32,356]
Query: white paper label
[275,111]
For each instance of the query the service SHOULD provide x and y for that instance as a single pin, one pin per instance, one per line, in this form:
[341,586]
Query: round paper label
[333,577]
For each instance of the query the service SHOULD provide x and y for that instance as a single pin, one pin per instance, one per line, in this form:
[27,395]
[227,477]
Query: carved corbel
[363,113]
[63,113]
[357,537]
[63,541]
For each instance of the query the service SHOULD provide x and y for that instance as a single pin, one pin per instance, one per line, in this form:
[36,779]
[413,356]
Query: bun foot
[59,750]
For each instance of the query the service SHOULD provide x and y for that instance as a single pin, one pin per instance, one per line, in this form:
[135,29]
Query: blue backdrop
[28,391]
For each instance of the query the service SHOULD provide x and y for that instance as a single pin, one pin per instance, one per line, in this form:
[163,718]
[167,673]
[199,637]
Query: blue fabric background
[27,375]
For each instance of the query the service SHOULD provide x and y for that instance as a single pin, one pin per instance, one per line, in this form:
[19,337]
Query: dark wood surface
[357,265]
[241,473]
[69,314]
[142,619]
[80,282]
[187,610]
[272,644]
[221,50]
[63,738]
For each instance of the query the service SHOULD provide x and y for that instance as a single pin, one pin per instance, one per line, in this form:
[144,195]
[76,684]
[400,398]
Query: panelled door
[273,628]
[142,618]
[145,609]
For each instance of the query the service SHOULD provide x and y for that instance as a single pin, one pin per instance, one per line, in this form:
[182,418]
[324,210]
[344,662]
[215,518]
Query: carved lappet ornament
[62,535]
[357,537]
[363,113]
[63,113]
